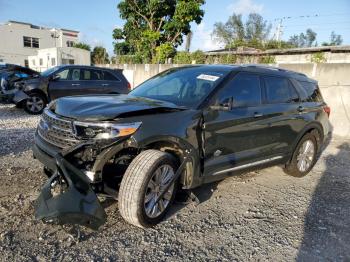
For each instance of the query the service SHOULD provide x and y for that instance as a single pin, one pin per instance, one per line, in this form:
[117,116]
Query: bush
[182,57]
[318,58]
[199,57]
[267,60]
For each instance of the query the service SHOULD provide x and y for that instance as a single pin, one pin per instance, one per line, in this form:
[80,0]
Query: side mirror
[225,105]
[55,77]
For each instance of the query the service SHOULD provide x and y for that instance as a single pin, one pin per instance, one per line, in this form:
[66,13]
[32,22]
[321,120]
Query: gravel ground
[264,215]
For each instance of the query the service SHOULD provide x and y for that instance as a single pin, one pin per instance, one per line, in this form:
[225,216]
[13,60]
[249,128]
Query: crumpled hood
[106,107]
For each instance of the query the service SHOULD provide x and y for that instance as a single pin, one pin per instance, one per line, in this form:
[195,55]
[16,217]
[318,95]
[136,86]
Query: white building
[50,57]
[19,41]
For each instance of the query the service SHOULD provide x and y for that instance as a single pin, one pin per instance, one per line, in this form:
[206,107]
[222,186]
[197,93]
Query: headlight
[104,130]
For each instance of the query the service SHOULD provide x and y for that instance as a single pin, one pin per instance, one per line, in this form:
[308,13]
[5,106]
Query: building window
[53,61]
[70,43]
[41,61]
[67,61]
[33,62]
[30,42]
[26,63]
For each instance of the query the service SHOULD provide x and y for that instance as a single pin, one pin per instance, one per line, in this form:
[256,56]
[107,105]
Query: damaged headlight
[87,130]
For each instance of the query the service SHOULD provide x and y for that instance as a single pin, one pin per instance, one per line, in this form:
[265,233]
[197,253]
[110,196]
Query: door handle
[105,84]
[301,108]
[75,84]
[257,114]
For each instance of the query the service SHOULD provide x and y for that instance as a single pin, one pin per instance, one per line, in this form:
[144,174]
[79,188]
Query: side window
[109,77]
[279,90]
[245,90]
[75,74]
[63,74]
[312,91]
[92,75]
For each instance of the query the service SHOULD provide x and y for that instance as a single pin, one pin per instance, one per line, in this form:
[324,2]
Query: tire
[35,104]
[294,166]
[136,184]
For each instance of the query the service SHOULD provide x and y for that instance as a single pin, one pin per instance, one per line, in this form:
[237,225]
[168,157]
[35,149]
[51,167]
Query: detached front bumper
[77,203]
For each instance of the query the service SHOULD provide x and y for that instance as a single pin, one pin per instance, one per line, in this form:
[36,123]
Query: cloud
[245,7]
[203,40]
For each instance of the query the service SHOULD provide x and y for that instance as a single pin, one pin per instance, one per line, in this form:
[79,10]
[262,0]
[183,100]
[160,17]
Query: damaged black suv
[182,128]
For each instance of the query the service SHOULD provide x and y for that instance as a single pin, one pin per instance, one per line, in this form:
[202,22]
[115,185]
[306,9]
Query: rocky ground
[264,215]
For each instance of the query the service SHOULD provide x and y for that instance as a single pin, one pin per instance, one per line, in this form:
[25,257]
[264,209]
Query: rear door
[114,84]
[237,136]
[282,108]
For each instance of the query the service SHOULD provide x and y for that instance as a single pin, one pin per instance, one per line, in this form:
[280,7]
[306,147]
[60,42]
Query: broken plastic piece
[76,203]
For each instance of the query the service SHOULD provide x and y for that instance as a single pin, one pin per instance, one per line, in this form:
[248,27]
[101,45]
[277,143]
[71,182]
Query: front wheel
[145,179]
[34,104]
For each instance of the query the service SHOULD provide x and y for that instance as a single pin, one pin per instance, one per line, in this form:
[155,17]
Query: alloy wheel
[158,182]
[35,104]
[305,155]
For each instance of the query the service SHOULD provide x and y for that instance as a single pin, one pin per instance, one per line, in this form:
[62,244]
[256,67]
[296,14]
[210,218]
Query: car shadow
[327,220]
[183,198]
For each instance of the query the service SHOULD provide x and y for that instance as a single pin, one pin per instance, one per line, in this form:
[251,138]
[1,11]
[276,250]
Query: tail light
[129,86]
[327,110]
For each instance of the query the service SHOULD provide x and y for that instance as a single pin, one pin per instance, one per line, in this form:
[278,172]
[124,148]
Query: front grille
[56,130]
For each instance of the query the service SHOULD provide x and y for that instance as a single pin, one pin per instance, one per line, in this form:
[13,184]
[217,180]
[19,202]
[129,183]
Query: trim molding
[247,165]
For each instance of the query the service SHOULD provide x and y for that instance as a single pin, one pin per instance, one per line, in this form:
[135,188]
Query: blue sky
[96,19]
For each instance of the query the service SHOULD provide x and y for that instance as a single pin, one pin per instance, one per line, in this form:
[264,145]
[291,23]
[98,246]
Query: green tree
[82,45]
[99,55]
[234,32]
[304,40]
[152,23]
[334,40]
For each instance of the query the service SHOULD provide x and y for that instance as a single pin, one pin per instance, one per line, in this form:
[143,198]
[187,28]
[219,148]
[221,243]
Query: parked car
[68,80]
[182,128]
[10,76]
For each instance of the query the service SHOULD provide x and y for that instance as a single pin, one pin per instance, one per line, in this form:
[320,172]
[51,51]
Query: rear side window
[245,90]
[279,90]
[312,91]
[89,74]
[109,77]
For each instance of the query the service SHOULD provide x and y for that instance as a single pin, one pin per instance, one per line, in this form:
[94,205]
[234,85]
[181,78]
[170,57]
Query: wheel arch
[312,127]
[181,150]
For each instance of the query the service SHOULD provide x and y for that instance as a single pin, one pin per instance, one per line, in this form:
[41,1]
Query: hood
[33,80]
[109,107]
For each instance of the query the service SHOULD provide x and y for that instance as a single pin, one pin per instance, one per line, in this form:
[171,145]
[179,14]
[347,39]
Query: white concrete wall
[12,49]
[330,57]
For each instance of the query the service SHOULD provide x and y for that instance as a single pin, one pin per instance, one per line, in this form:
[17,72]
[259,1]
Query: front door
[68,84]
[238,135]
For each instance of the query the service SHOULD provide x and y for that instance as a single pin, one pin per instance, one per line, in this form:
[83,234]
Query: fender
[306,129]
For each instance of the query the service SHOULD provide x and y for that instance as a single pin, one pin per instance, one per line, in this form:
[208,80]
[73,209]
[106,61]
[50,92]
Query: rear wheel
[145,179]
[304,157]
[35,104]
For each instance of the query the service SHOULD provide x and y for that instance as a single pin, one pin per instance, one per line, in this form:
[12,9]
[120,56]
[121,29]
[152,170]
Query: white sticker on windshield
[208,77]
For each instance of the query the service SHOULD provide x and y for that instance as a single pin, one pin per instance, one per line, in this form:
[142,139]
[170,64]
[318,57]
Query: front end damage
[67,198]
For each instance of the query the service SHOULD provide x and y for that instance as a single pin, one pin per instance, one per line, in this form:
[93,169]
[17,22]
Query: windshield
[186,86]
[50,71]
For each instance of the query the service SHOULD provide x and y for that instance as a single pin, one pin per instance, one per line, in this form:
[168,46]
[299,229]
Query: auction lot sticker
[208,77]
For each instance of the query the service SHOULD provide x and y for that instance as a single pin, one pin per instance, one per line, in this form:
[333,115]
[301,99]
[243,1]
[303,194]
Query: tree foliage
[82,45]
[304,40]
[99,55]
[153,25]
[234,32]
[334,40]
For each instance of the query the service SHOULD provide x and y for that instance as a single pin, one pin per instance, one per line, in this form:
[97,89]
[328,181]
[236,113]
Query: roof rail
[273,68]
